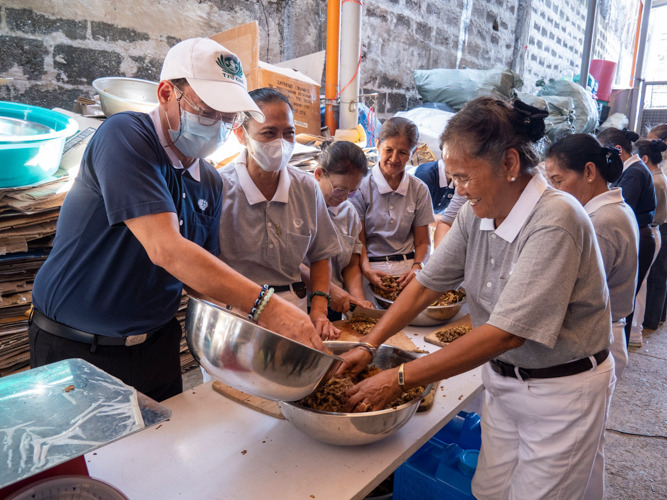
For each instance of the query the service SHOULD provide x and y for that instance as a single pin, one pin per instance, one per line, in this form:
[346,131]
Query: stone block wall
[54,49]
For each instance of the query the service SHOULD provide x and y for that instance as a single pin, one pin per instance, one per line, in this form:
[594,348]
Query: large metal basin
[252,359]
[126,94]
[352,429]
[432,315]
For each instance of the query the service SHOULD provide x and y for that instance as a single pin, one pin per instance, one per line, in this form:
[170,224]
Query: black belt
[392,258]
[564,370]
[66,332]
[299,289]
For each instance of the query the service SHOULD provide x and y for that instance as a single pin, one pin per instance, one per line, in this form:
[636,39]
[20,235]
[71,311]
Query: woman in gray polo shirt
[539,306]
[578,164]
[274,216]
[343,166]
[395,209]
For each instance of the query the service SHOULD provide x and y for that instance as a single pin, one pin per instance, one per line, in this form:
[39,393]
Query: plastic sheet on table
[52,414]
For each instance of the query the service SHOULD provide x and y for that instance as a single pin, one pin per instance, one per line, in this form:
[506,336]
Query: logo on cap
[231,67]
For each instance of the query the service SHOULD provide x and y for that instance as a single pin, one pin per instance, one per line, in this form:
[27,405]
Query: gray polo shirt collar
[250,189]
[630,161]
[442,175]
[511,226]
[334,210]
[193,169]
[383,185]
[610,197]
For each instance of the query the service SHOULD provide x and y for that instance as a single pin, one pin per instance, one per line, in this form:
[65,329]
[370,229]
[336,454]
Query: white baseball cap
[213,72]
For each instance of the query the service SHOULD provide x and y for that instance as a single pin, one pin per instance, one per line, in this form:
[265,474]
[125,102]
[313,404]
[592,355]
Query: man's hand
[286,319]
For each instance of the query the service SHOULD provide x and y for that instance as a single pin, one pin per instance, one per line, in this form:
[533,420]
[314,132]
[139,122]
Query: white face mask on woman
[272,156]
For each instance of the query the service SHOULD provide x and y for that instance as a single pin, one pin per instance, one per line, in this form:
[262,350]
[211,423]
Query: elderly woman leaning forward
[539,306]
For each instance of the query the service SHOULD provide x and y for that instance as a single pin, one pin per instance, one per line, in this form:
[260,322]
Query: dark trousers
[656,285]
[153,368]
[646,253]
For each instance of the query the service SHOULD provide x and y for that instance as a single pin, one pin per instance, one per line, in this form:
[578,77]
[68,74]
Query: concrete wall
[55,48]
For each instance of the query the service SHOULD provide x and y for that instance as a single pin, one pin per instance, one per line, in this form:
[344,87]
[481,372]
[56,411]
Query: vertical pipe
[634,51]
[638,85]
[333,42]
[588,42]
[350,50]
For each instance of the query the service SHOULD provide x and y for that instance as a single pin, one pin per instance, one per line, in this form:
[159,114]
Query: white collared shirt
[618,238]
[630,161]
[442,175]
[389,215]
[511,226]
[250,189]
[193,169]
[266,241]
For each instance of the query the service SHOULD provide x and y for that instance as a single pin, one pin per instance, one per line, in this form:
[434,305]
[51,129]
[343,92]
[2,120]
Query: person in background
[636,183]
[659,133]
[539,306]
[440,185]
[343,166]
[656,285]
[579,165]
[277,213]
[394,208]
[140,221]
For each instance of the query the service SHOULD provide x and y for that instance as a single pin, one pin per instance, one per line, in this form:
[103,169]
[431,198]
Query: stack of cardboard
[27,227]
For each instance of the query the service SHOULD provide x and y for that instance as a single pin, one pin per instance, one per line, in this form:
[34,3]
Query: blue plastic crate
[442,469]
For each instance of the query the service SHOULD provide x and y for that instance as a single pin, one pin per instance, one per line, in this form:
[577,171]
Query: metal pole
[588,42]
[637,91]
[350,50]
[333,46]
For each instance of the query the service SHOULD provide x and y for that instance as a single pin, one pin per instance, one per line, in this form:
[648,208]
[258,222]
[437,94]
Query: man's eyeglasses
[339,193]
[208,116]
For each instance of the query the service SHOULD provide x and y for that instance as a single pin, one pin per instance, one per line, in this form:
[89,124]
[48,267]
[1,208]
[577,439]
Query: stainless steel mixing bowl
[252,359]
[126,94]
[351,429]
[432,315]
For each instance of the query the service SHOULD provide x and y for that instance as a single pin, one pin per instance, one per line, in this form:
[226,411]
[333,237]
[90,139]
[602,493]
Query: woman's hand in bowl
[355,360]
[374,393]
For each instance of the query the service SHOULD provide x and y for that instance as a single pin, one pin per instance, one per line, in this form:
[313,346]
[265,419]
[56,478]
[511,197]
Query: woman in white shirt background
[395,209]
[342,167]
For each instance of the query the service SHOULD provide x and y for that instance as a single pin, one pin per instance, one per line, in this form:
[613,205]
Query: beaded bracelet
[262,293]
[265,300]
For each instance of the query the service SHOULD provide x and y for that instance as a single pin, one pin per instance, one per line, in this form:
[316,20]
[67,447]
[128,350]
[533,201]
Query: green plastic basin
[31,143]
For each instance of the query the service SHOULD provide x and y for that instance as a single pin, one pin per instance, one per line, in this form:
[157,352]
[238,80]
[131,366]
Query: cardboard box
[303,92]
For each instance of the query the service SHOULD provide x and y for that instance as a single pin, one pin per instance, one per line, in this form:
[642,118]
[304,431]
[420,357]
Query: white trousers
[618,348]
[640,300]
[290,297]
[540,437]
[395,268]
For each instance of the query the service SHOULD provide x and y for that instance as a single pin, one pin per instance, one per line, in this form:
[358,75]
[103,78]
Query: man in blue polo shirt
[441,187]
[141,220]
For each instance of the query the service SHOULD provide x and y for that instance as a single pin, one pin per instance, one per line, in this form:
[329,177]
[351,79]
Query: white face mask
[272,156]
